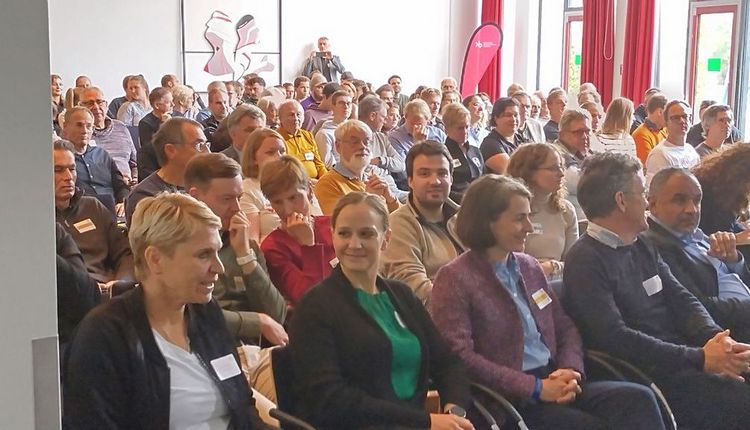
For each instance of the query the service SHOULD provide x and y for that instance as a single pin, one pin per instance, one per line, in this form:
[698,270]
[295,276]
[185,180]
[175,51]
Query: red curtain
[492,11]
[597,65]
[639,49]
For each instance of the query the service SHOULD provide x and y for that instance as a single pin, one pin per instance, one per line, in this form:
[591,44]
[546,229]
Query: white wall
[374,39]
[551,55]
[671,47]
[27,255]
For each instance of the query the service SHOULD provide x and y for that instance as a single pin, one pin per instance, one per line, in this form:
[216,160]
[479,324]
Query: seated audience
[513,88]
[424,236]
[400,99]
[448,98]
[478,125]
[270,107]
[218,105]
[176,142]
[354,171]
[641,112]
[341,105]
[596,111]
[673,151]
[716,122]
[252,304]
[161,110]
[263,145]
[363,348]
[494,307]
[695,135]
[536,107]
[553,218]
[448,84]
[503,139]
[97,173]
[111,134]
[385,93]
[299,142]
[652,130]
[574,146]
[132,111]
[626,302]
[529,129]
[254,87]
[392,119]
[373,112]
[323,110]
[709,266]
[467,159]
[234,98]
[103,244]
[615,133]
[725,180]
[432,97]
[205,112]
[543,115]
[243,120]
[143,360]
[299,253]
[77,292]
[315,88]
[556,103]
[183,97]
[169,81]
[58,100]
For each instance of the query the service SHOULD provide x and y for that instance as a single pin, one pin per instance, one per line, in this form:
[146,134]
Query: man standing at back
[324,62]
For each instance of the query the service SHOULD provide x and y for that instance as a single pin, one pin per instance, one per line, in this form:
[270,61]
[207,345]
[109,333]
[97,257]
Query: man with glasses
[529,129]
[176,142]
[573,144]
[354,171]
[110,134]
[341,102]
[674,150]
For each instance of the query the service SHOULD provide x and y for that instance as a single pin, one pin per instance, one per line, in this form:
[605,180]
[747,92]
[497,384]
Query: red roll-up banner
[484,45]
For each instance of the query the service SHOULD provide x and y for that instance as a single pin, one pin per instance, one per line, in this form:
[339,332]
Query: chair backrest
[283,376]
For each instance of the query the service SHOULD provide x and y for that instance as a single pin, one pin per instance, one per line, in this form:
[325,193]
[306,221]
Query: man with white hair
[353,172]
[299,142]
[448,84]
[716,123]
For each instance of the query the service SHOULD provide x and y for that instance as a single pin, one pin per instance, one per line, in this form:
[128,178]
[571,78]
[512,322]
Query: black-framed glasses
[91,103]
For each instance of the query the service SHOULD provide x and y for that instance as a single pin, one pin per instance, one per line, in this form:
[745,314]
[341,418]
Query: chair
[481,391]
[283,376]
[603,364]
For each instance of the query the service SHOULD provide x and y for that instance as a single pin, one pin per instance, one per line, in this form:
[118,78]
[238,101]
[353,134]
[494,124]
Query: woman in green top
[363,347]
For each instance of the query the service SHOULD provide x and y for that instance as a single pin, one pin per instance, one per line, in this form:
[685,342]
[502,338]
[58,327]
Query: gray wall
[28,301]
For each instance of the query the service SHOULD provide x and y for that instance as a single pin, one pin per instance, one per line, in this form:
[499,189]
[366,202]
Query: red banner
[483,46]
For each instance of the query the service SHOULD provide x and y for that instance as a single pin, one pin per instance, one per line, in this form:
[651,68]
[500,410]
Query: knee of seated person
[636,393]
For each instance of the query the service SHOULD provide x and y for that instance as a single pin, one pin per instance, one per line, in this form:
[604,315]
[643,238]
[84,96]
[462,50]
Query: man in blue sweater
[626,302]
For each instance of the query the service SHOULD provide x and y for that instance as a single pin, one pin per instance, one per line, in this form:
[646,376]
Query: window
[572,52]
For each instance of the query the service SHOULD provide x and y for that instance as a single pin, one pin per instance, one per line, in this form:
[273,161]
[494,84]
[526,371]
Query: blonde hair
[453,112]
[166,221]
[250,168]
[182,95]
[282,175]
[619,117]
[417,107]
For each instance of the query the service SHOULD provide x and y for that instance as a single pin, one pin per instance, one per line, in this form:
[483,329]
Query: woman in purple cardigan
[494,307]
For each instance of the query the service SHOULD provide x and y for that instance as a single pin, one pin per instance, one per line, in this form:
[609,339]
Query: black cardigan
[342,359]
[117,378]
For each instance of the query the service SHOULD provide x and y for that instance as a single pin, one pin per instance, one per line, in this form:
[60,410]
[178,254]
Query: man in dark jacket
[709,266]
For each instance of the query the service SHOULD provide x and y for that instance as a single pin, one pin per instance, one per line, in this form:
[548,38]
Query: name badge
[399,320]
[456,163]
[334,262]
[476,161]
[309,156]
[225,367]
[537,228]
[85,225]
[541,298]
[652,285]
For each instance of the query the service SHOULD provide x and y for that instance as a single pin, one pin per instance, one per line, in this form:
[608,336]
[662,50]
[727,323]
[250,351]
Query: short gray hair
[370,104]
[348,126]
[242,111]
[710,114]
[602,176]
[571,115]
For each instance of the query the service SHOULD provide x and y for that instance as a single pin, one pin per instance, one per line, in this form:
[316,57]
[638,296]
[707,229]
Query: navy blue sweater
[605,295]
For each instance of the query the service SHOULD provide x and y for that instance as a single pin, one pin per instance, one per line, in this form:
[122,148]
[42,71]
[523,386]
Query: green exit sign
[577,60]
[714,64]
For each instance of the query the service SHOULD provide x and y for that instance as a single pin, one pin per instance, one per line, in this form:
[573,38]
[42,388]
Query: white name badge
[225,367]
[334,262]
[456,163]
[652,286]
[541,298]
[399,320]
[537,228]
[85,225]
[309,156]
[477,162]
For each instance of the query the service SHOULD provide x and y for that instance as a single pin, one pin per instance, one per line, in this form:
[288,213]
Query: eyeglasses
[91,103]
[558,168]
[201,145]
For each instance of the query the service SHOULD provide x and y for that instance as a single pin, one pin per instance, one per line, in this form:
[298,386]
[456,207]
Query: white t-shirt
[195,402]
[620,144]
[666,155]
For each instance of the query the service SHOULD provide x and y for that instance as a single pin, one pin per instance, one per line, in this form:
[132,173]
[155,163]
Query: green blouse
[406,353]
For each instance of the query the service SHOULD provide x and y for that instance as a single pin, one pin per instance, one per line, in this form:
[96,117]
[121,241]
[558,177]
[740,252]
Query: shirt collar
[605,236]
[695,236]
[339,167]
[510,265]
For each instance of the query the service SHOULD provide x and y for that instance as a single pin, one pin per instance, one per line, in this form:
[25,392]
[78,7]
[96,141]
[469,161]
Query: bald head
[674,198]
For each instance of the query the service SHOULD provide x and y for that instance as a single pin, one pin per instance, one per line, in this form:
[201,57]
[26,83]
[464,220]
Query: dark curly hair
[726,176]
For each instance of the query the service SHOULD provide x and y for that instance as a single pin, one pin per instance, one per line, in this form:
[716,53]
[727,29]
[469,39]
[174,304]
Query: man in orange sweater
[652,131]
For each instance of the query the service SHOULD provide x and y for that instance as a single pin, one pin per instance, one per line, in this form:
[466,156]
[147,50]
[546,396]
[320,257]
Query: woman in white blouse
[615,133]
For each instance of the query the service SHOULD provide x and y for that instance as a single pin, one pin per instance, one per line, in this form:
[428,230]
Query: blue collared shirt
[535,352]
[402,141]
[697,245]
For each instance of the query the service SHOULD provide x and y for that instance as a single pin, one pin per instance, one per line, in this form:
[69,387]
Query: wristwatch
[457,411]
[249,258]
